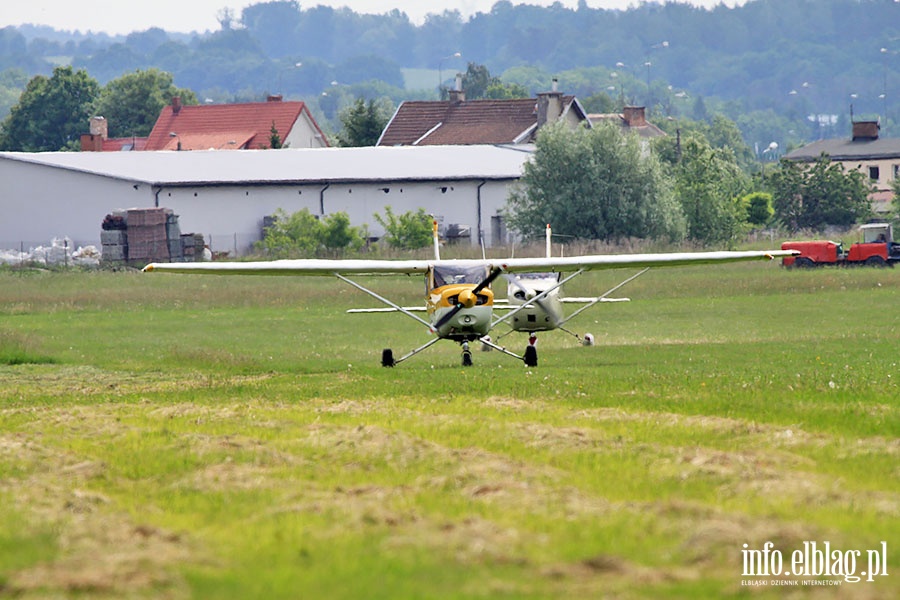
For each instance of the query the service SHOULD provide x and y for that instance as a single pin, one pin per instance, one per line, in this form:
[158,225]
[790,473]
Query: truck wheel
[803,262]
[875,261]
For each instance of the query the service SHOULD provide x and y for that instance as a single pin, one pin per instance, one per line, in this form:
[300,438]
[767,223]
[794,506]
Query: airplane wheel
[387,358]
[466,358]
[588,340]
[530,356]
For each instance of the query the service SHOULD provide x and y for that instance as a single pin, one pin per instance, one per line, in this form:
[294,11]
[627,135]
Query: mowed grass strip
[192,437]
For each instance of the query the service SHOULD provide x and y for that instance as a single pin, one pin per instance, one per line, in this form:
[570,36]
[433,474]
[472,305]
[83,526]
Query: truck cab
[876,247]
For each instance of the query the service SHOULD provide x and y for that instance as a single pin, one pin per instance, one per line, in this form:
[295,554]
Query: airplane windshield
[444,275]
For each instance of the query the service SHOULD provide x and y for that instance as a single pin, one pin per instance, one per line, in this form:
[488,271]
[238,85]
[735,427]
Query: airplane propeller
[468,298]
[526,293]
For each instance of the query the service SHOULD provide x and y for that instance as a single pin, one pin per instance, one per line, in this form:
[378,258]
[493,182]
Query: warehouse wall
[38,203]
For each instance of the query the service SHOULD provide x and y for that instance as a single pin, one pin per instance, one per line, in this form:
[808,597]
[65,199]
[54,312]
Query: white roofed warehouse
[226,195]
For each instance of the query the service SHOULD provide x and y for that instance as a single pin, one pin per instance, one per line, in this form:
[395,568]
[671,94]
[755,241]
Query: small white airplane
[459,300]
[541,295]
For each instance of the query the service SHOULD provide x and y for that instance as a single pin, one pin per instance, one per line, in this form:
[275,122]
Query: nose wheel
[530,357]
[466,355]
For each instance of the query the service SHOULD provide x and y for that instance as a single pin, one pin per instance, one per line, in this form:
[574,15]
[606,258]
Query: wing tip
[148,268]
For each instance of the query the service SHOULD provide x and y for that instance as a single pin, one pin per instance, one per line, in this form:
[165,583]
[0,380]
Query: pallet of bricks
[142,235]
[147,238]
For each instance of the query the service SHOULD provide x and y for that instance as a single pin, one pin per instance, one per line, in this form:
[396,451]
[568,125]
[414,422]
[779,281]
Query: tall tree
[594,184]
[824,193]
[51,112]
[363,123]
[132,103]
[709,185]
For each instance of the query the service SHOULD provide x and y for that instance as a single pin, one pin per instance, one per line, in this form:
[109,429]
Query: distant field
[425,79]
[166,436]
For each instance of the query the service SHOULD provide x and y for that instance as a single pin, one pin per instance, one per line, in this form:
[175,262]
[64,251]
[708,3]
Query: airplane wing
[617,261]
[511,265]
[386,310]
[304,266]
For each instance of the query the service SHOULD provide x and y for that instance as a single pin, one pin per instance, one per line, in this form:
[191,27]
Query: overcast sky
[123,16]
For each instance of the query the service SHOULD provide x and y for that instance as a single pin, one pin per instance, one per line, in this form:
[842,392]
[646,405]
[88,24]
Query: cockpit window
[444,275]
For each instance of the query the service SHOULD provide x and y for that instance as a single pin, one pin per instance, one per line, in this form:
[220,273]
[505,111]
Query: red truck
[876,248]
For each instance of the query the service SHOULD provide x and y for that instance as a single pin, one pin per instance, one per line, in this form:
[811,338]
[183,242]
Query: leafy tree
[812,196]
[302,234]
[594,184]
[408,231]
[51,112]
[368,67]
[274,138]
[362,123]
[759,208]
[132,103]
[708,185]
[895,200]
[476,80]
[12,82]
[498,90]
[338,235]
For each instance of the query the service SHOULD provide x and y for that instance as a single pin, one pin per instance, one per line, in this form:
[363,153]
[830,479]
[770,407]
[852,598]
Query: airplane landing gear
[387,358]
[530,357]
[466,355]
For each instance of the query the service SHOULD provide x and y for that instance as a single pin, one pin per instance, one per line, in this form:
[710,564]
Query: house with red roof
[632,119]
[457,121]
[98,139]
[247,126]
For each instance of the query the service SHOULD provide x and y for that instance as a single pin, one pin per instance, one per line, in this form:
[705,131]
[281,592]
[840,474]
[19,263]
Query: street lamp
[441,69]
[281,71]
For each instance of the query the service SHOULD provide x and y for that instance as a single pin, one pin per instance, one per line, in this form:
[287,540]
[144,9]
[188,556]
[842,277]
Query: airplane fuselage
[536,316]
[470,322]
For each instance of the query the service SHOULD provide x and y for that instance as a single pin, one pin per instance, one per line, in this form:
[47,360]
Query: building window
[874,173]
[896,171]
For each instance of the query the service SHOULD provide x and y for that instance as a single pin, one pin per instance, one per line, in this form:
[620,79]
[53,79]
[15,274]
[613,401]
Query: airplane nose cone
[467,298]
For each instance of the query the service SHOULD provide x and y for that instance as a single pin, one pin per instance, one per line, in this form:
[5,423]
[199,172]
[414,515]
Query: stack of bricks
[147,237]
[142,235]
[192,246]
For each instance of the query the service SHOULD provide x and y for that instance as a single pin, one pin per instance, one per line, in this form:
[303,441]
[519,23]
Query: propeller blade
[494,274]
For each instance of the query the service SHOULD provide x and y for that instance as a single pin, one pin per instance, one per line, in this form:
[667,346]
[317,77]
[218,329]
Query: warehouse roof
[292,166]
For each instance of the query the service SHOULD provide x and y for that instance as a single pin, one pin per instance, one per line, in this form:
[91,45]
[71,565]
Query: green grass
[199,437]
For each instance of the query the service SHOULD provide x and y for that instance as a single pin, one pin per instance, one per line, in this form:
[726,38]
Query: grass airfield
[169,436]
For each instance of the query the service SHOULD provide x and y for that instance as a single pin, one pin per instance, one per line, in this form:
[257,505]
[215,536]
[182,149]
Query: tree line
[769,65]
[698,184]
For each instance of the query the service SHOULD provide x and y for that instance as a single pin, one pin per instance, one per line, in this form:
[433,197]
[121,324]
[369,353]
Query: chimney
[93,141]
[273,98]
[99,127]
[634,116]
[176,104]
[549,105]
[457,94]
[865,130]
